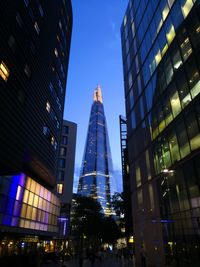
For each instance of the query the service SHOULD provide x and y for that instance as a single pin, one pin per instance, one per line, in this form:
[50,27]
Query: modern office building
[161,60]
[65,174]
[126,182]
[96,169]
[35,41]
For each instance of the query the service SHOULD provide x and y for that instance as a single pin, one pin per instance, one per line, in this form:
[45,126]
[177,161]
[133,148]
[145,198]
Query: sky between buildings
[96,58]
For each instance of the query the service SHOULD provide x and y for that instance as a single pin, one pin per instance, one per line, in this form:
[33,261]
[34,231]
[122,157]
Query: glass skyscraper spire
[96,169]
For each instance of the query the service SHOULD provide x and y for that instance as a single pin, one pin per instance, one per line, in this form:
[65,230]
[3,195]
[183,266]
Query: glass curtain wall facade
[160,47]
[96,170]
[35,39]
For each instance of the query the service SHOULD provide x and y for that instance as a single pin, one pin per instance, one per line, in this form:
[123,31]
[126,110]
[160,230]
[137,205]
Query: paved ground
[108,262]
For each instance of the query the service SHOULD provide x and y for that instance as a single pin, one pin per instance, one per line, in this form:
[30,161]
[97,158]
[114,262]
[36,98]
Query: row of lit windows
[52,113]
[4,71]
[55,96]
[178,142]
[181,189]
[159,49]
[32,16]
[39,207]
[178,97]
[50,136]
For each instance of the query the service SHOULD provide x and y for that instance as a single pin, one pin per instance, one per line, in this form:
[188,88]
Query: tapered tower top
[97,94]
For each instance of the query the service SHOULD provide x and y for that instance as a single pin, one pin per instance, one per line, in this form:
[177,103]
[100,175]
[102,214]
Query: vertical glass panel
[186,6]
[140,199]
[160,116]
[131,99]
[170,2]
[168,70]
[170,32]
[176,15]
[175,101]
[138,174]
[186,48]
[166,153]
[183,89]
[148,164]
[193,77]
[167,109]
[176,59]
[151,196]
[193,130]
[182,139]
[133,121]
[173,145]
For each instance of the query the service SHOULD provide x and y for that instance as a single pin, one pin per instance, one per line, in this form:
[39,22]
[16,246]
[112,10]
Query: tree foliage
[88,221]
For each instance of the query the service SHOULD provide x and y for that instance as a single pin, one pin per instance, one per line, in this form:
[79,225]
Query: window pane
[193,130]
[173,145]
[182,139]
[175,102]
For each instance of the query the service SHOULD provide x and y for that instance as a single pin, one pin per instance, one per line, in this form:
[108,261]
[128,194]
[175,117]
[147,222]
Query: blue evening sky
[96,58]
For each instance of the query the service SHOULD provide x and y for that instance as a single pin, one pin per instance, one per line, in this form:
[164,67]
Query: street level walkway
[107,262]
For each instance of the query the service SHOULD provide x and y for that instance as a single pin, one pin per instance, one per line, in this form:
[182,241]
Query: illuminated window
[48,106]
[54,142]
[170,34]
[4,71]
[175,103]
[186,48]
[186,7]
[56,52]
[165,12]
[60,189]
[63,151]
[36,27]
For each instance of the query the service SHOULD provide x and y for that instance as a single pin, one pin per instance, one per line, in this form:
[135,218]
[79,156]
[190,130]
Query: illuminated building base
[26,204]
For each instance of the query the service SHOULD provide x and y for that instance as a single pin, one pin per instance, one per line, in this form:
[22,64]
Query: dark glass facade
[65,174]
[96,170]
[160,46]
[126,179]
[35,41]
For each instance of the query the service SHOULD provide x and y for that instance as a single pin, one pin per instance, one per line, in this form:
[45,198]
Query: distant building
[35,41]
[65,174]
[96,170]
[160,47]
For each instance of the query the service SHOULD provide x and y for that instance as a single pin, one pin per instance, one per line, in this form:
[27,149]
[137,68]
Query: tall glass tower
[96,169]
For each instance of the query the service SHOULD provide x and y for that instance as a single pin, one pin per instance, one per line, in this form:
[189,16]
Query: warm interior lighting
[165,12]
[60,188]
[4,71]
[187,7]
[171,34]
[158,57]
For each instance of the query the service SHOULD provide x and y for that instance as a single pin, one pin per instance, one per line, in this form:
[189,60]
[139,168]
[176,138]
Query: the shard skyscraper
[96,169]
